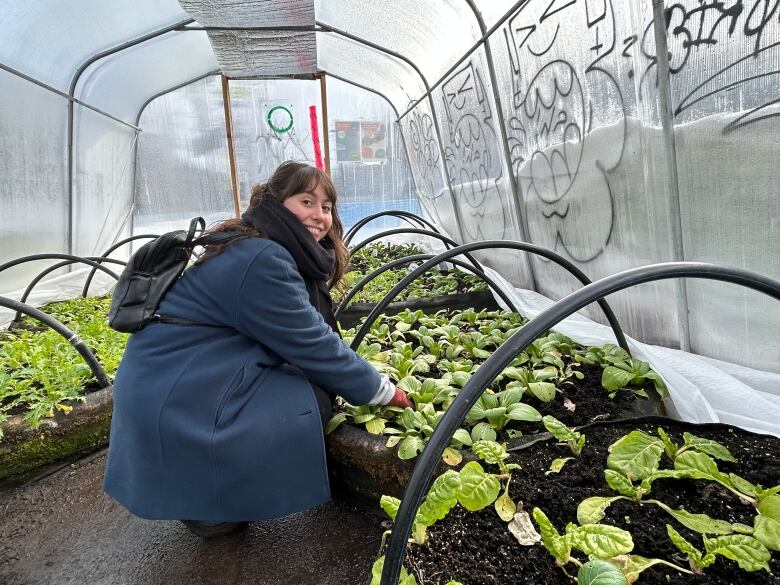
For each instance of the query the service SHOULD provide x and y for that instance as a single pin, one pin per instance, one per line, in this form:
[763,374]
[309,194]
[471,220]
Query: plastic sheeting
[174,183]
[701,389]
[33,194]
[621,160]
[434,33]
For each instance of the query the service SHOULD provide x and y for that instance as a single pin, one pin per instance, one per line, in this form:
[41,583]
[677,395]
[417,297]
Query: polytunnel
[605,137]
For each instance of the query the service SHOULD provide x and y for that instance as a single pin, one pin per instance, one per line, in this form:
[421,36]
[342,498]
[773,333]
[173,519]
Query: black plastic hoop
[93,363]
[449,243]
[33,257]
[409,259]
[503,356]
[111,249]
[408,216]
[489,244]
[50,269]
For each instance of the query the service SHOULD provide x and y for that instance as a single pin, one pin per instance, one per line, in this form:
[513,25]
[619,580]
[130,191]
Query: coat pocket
[241,390]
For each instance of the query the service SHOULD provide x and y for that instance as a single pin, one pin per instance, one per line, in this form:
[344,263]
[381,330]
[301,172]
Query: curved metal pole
[407,260]
[406,215]
[107,252]
[73,339]
[503,356]
[49,270]
[489,244]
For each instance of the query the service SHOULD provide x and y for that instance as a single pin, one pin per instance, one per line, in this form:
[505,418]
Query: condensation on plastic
[49,40]
[33,192]
[388,75]
[103,153]
[701,389]
[182,153]
[433,34]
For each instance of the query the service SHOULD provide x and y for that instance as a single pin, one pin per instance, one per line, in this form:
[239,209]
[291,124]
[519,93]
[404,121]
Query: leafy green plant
[40,372]
[574,439]
[607,547]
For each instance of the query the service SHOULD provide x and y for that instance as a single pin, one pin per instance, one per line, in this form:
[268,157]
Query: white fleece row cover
[701,389]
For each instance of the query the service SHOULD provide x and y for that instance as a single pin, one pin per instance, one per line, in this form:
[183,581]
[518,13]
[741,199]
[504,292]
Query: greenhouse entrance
[501,275]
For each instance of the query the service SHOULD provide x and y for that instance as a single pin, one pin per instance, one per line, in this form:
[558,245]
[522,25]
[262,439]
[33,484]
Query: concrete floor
[62,529]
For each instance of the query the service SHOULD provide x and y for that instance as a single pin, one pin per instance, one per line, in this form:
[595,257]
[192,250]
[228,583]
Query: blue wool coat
[210,423]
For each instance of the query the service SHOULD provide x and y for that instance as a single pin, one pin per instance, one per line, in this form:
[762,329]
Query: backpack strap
[197,224]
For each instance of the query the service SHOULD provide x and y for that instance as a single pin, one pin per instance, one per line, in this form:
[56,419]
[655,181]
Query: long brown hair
[289,179]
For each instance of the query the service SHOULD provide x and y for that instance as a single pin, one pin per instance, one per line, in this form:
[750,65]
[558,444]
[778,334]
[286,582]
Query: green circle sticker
[284,119]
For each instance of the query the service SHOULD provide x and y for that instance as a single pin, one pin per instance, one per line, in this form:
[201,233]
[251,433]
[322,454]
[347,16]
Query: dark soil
[477,549]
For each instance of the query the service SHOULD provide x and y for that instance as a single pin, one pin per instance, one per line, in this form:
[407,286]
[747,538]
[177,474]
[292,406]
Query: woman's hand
[400,399]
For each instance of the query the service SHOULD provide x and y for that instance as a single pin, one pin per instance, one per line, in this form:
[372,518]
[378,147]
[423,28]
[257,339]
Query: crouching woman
[218,423]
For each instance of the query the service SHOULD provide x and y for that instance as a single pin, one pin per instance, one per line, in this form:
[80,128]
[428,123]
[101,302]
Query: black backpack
[151,272]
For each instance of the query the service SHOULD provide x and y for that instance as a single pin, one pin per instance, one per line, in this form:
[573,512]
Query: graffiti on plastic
[471,160]
[426,151]
[737,30]
[553,110]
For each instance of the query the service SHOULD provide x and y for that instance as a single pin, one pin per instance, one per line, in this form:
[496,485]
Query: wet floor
[62,529]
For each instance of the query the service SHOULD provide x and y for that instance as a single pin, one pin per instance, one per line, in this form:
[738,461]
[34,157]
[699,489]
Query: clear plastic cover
[390,76]
[50,40]
[433,34]
[33,192]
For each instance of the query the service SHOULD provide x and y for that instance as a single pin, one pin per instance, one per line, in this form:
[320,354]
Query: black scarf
[315,260]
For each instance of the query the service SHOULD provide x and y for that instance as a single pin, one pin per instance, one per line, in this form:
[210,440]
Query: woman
[218,424]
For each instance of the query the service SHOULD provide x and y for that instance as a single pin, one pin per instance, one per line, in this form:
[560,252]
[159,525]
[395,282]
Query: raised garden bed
[51,407]
[433,356]
[433,291]
[576,513]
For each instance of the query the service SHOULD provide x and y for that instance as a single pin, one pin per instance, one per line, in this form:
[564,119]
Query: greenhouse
[548,231]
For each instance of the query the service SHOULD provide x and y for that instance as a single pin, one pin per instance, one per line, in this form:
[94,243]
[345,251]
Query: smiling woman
[314,208]
[225,413]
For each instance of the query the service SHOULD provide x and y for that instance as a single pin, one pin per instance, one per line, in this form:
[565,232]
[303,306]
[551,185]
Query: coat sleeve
[273,308]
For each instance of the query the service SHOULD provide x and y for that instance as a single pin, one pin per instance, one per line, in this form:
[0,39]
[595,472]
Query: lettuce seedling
[495,454]
[574,439]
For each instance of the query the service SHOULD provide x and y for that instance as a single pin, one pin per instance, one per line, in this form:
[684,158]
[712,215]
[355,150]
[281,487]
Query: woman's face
[314,208]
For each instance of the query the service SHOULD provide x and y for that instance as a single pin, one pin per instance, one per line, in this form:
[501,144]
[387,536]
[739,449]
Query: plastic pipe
[49,270]
[406,215]
[447,241]
[507,244]
[111,249]
[73,339]
[503,356]
[409,259]
[86,260]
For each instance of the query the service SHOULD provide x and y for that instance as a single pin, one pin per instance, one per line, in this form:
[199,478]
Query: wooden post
[231,146]
[325,131]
